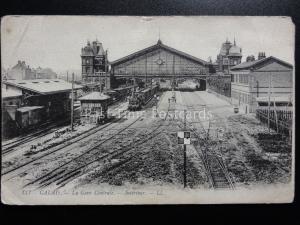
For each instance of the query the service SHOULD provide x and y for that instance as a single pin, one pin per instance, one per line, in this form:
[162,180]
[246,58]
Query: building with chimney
[21,71]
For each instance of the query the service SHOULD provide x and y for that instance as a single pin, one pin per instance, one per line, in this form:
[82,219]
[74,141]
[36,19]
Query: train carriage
[114,96]
[29,116]
[141,97]
[122,92]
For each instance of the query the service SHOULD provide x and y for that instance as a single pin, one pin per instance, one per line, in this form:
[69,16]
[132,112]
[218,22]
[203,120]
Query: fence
[220,85]
[284,119]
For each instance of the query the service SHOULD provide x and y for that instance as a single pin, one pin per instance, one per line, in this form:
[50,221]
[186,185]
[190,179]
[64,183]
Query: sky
[56,41]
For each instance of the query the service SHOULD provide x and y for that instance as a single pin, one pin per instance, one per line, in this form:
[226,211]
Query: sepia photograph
[120,110]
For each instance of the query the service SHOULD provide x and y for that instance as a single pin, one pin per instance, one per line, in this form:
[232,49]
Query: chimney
[250,58]
[261,55]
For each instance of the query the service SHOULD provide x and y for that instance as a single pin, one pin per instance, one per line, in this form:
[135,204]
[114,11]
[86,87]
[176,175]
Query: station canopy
[94,96]
[43,86]
[160,61]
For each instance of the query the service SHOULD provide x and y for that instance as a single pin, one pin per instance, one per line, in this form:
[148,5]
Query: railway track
[91,159]
[216,170]
[109,157]
[57,148]
[62,145]
[9,147]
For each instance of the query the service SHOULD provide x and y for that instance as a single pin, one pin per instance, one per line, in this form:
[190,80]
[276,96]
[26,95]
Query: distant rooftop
[43,86]
[250,64]
[10,93]
[95,96]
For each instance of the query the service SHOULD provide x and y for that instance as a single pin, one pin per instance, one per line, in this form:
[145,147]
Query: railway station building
[260,78]
[157,62]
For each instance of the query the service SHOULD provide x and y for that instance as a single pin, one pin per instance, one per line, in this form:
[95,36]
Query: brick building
[255,78]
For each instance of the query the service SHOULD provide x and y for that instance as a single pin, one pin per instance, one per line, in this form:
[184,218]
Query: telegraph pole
[68,76]
[72,103]
[100,81]
[146,72]
[274,107]
[184,154]
[269,99]
[106,71]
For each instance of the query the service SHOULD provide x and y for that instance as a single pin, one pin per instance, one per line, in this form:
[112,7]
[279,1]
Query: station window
[240,78]
[236,78]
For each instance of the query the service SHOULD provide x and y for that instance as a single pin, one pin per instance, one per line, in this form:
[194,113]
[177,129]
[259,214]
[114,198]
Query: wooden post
[208,130]
[146,72]
[106,71]
[173,70]
[184,154]
[100,81]
[274,106]
[72,103]
[269,99]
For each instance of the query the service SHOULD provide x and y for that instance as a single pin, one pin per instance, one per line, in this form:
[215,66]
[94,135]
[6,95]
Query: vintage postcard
[147,110]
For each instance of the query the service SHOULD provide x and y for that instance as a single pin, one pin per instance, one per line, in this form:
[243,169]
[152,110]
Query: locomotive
[140,98]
